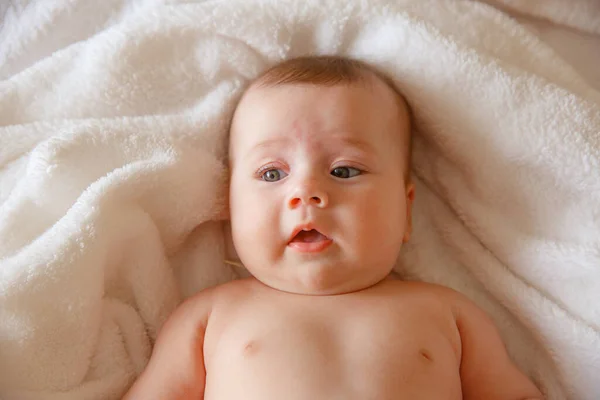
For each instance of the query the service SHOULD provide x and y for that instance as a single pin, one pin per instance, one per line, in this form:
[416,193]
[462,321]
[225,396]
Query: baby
[320,205]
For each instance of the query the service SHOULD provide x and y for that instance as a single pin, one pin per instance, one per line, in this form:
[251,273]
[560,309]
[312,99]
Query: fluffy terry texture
[113,129]
[581,15]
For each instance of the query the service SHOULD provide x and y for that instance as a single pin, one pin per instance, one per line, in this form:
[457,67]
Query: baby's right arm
[176,368]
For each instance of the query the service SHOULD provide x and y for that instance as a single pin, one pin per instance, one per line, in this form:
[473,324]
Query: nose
[308,194]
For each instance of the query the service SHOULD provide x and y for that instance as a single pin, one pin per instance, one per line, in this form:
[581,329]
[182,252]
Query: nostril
[296,201]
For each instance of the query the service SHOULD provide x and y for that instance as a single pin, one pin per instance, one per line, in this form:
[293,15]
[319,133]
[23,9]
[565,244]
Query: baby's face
[328,160]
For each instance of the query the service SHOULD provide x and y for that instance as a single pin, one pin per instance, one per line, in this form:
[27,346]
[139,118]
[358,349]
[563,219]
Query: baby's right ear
[222,197]
[222,206]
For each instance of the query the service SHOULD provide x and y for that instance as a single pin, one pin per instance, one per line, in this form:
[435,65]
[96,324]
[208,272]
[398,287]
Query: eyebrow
[360,144]
[336,139]
[275,142]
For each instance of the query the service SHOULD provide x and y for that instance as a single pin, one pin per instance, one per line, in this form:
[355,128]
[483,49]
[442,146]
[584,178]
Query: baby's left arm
[486,370]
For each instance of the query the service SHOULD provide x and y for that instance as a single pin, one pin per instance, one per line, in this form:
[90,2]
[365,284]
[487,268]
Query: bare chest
[331,346]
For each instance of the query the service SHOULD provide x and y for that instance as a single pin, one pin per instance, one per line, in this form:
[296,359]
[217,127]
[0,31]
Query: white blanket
[113,122]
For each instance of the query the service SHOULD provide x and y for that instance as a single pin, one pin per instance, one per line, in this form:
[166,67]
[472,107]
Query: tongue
[309,236]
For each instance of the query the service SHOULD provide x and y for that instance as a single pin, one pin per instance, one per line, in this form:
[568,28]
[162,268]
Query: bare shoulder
[445,300]
[218,299]
[209,297]
[176,367]
[428,290]
[232,290]
[192,313]
[195,311]
[453,298]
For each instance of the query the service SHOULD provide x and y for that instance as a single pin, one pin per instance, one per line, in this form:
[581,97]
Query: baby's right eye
[273,175]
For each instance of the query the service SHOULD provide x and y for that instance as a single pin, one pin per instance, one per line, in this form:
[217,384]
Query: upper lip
[305,227]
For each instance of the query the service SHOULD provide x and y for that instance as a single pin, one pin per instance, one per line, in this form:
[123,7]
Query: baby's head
[320,193]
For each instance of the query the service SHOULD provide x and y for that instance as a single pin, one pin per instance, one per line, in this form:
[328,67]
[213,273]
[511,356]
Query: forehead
[367,112]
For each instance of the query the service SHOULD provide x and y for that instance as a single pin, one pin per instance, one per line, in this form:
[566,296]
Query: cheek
[379,217]
[253,220]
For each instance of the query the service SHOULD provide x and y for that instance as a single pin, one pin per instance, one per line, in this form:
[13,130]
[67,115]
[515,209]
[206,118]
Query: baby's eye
[345,172]
[273,175]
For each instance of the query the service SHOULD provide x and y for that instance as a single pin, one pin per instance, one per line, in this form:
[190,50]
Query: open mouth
[310,236]
[309,241]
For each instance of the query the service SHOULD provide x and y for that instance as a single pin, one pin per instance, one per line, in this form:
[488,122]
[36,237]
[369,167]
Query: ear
[410,198]
[223,206]
[223,214]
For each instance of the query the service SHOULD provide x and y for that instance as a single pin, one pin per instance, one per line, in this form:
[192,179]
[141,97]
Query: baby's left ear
[410,198]
[410,194]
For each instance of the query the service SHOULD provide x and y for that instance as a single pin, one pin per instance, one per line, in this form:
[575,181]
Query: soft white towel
[112,143]
[582,15]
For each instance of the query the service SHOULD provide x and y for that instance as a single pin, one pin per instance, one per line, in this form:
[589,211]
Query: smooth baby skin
[394,340]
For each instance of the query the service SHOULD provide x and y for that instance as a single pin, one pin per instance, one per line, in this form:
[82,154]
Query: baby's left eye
[345,172]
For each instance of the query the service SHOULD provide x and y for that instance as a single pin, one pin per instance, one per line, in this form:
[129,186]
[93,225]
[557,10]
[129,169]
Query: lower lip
[311,247]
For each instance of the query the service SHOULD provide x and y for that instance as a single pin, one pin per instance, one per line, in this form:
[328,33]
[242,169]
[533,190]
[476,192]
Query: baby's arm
[486,370]
[176,367]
